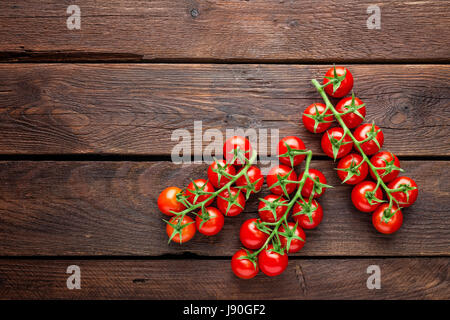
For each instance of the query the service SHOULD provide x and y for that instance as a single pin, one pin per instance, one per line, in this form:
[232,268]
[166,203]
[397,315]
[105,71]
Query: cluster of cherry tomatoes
[226,184]
[354,149]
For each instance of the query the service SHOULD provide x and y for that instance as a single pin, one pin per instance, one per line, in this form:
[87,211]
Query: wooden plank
[262,30]
[409,278]
[109,208]
[133,109]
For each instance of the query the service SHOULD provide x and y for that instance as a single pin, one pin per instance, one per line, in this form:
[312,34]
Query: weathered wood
[109,208]
[417,278]
[263,30]
[134,108]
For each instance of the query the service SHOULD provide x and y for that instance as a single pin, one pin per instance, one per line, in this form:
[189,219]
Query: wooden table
[86,118]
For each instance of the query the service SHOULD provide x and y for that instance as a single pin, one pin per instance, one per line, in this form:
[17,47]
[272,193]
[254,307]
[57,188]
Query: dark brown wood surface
[133,109]
[402,278]
[109,208]
[311,30]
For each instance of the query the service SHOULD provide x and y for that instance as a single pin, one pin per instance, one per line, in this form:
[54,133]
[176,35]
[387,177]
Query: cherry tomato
[301,210]
[233,207]
[282,173]
[217,180]
[366,130]
[385,160]
[212,225]
[251,237]
[394,223]
[272,263]
[244,268]
[167,201]
[309,186]
[352,164]
[405,198]
[234,143]
[270,203]
[254,175]
[296,245]
[293,143]
[361,194]
[203,185]
[332,140]
[187,231]
[352,119]
[321,120]
[346,83]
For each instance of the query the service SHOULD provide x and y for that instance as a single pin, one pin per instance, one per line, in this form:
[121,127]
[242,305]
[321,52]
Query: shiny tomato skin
[346,162]
[232,144]
[167,201]
[250,236]
[369,147]
[254,174]
[294,143]
[308,187]
[187,233]
[213,177]
[223,204]
[378,160]
[403,200]
[267,215]
[358,196]
[351,120]
[309,122]
[346,85]
[213,225]
[243,268]
[200,183]
[272,263]
[303,219]
[336,133]
[282,171]
[296,245]
[394,223]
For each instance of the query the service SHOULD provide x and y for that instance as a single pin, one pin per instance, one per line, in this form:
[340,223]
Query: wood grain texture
[110,208]
[266,30]
[133,109]
[418,278]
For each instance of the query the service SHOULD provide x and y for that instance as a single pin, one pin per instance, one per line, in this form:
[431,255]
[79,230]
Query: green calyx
[352,170]
[273,205]
[318,118]
[282,181]
[335,80]
[177,228]
[353,108]
[292,153]
[232,200]
[306,209]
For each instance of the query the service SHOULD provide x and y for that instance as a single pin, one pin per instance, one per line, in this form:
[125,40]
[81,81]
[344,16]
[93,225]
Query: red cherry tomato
[255,176]
[407,197]
[293,143]
[203,185]
[217,180]
[315,119]
[366,130]
[212,225]
[282,173]
[332,140]
[187,231]
[244,268]
[268,209]
[309,186]
[234,143]
[345,85]
[352,164]
[390,226]
[228,208]
[251,237]
[352,119]
[385,160]
[167,201]
[272,263]
[302,209]
[361,194]
[296,245]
